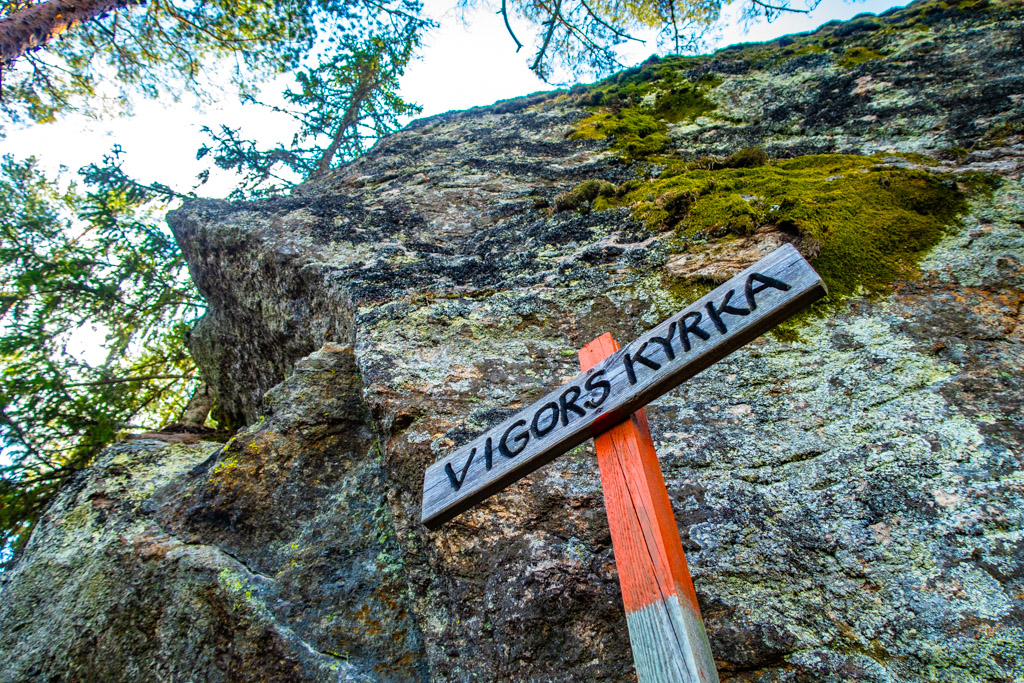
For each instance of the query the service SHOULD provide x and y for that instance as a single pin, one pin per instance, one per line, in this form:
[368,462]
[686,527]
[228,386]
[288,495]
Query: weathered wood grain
[665,626]
[595,400]
[660,655]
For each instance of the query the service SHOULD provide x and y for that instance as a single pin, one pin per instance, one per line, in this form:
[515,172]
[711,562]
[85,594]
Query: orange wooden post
[665,627]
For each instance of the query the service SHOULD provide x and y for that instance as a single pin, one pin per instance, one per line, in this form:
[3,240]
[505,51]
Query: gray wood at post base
[703,333]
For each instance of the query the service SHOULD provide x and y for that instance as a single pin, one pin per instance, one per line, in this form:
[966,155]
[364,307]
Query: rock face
[849,490]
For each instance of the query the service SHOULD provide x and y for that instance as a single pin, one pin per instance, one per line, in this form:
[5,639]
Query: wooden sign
[607,394]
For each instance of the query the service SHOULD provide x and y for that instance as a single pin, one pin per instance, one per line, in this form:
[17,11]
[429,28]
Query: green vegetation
[684,102]
[868,223]
[858,55]
[635,108]
[583,194]
[97,264]
[872,222]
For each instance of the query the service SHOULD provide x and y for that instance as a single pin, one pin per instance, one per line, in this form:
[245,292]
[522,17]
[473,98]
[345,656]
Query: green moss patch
[635,107]
[873,222]
[635,132]
[581,196]
[858,55]
[684,102]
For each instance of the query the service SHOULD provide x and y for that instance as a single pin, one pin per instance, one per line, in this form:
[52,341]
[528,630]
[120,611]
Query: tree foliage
[340,107]
[162,46]
[582,36]
[76,265]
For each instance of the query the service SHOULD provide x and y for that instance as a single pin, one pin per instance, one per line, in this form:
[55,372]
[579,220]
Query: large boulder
[848,488]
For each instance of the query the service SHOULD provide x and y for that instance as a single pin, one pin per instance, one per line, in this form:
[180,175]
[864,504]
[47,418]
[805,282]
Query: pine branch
[547,39]
[504,13]
[779,8]
[118,380]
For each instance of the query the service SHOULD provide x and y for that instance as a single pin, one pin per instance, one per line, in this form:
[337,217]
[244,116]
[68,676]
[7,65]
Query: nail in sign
[703,333]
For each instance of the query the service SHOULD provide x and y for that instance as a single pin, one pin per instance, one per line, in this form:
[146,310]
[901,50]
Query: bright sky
[462,66]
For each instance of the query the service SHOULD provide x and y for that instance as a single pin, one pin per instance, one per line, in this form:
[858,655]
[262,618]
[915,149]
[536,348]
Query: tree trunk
[36,25]
[368,77]
[198,408]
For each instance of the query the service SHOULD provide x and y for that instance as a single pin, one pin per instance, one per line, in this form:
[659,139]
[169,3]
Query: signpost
[665,627]
[606,401]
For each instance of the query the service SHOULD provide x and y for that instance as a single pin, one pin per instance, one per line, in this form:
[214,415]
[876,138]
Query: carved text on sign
[595,389]
[706,331]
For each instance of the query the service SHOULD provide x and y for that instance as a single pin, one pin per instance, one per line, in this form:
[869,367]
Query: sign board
[704,332]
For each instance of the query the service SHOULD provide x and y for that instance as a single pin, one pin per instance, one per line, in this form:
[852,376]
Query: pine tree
[340,107]
[73,265]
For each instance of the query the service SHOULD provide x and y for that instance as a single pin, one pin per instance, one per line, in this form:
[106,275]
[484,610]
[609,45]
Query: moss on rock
[873,222]
[684,102]
[584,194]
[635,107]
[858,55]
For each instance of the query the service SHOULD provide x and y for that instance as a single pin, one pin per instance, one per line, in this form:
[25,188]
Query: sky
[463,64]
